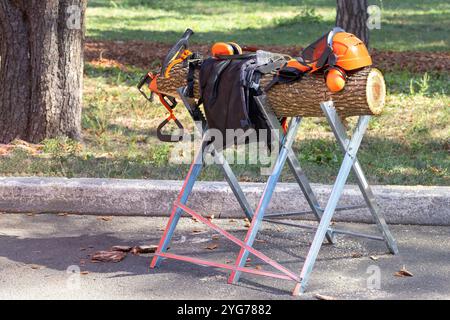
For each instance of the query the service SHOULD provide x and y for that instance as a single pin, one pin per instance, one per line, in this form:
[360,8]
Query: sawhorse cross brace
[324,216]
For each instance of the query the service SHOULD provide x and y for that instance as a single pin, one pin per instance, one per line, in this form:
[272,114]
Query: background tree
[41,68]
[352,17]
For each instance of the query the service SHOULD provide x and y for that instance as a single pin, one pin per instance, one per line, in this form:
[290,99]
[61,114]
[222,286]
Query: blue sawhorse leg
[350,156]
[266,197]
[342,138]
[293,163]
[194,172]
[220,159]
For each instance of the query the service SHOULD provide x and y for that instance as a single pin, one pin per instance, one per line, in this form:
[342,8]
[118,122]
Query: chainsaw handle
[169,137]
[180,46]
[145,80]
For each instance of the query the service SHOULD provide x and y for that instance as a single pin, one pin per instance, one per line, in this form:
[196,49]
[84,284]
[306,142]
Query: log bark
[364,93]
[41,69]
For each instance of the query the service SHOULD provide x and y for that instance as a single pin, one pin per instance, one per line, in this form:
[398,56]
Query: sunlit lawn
[408,144]
[405,25]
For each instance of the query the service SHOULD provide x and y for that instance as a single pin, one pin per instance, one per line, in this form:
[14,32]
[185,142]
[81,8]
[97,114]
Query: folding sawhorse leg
[350,147]
[286,154]
[294,165]
[180,206]
[341,136]
[189,182]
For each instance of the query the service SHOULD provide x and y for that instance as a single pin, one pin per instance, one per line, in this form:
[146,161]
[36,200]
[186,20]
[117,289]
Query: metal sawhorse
[324,216]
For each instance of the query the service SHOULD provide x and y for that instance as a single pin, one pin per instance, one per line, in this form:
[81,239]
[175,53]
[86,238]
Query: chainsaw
[179,53]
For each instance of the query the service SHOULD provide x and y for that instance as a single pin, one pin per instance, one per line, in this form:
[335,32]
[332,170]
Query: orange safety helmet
[337,48]
[225,49]
[334,53]
[351,52]
[337,52]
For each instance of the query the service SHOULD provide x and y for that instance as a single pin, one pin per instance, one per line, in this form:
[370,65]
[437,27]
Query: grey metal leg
[266,197]
[341,135]
[347,163]
[294,164]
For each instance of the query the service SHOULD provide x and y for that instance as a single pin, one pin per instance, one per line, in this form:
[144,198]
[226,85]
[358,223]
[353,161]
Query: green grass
[407,144]
[405,25]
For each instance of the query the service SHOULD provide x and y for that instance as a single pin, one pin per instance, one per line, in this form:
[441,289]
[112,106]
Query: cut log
[364,93]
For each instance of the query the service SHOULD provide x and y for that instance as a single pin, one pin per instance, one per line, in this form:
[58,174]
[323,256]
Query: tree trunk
[352,17]
[41,69]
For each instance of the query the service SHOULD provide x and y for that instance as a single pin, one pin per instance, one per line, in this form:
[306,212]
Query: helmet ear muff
[236,48]
[335,78]
[222,49]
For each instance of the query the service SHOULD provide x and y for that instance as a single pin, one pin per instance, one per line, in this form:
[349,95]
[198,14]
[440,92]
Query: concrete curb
[401,204]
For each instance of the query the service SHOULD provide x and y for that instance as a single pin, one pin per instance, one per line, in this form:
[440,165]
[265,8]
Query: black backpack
[227,88]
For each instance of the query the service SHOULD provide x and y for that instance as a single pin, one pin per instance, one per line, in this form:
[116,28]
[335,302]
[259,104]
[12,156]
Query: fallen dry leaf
[108,256]
[121,248]
[319,296]
[36,266]
[403,273]
[105,218]
[144,249]
[212,246]
[84,273]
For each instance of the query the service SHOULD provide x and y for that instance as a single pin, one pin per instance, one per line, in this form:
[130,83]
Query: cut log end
[375,91]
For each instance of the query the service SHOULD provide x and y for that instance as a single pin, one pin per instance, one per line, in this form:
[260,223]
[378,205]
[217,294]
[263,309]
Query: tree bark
[41,69]
[352,17]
